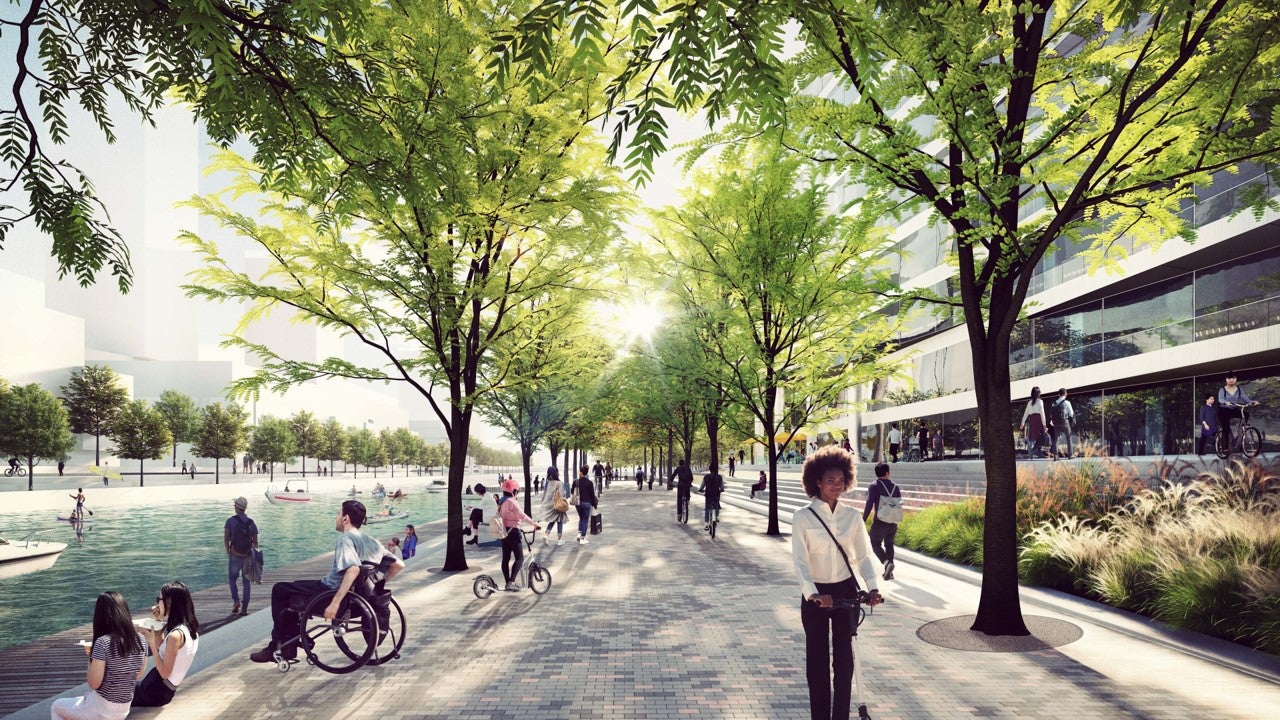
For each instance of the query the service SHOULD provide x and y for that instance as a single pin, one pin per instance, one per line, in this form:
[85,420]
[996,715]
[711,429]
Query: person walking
[922,439]
[731,465]
[587,501]
[1062,416]
[512,543]
[895,441]
[240,536]
[553,507]
[1208,423]
[882,532]
[61,465]
[827,538]
[173,646]
[1033,424]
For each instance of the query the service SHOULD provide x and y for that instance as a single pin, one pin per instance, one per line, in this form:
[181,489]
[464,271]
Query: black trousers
[828,646]
[285,622]
[152,691]
[512,545]
[882,534]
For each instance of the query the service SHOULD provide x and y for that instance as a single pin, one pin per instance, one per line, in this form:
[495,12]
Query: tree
[392,447]
[333,442]
[362,449]
[139,433]
[182,417]
[272,442]
[438,199]
[94,397]
[220,434]
[234,64]
[783,283]
[307,436]
[1100,117]
[33,426]
[406,443]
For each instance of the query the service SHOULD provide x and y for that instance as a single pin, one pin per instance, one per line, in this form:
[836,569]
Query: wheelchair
[369,628]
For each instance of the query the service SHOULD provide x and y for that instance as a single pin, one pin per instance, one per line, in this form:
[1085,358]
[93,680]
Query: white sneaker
[512,587]
[545,542]
[585,541]
[560,541]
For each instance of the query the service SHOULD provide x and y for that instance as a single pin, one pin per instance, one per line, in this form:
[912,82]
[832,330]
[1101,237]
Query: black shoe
[862,713]
[473,541]
[888,570]
[466,530]
[265,655]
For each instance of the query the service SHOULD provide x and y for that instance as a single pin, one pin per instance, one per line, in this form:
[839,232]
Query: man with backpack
[712,487]
[1062,416]
[884,498]
[240,535]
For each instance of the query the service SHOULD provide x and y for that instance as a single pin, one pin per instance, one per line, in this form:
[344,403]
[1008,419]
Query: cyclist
[684,483]
[1231,403]
[712,486]
[13,465]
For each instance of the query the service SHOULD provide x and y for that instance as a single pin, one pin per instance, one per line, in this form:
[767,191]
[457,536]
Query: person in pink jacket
[512,544]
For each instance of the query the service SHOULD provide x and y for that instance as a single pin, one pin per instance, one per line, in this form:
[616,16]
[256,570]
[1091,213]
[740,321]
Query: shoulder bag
[558,503]
[573,498]
[854,610]
[888,507]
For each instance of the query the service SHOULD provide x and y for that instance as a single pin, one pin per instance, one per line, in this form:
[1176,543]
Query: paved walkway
[654,620]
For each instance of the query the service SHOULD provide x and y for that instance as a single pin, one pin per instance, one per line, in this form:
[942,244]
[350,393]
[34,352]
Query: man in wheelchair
[351,550]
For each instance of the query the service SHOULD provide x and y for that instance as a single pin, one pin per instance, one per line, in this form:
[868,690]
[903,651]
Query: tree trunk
[139,472]
[217,468]
[304,466]
[31,473]
[526,457]
[455,557]
[771,429]
[175,453]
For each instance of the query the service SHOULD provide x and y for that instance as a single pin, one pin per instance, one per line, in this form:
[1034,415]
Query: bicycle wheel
[682,511]
[1220,446]
[715,520]
[1251,441]
[353,633]
[539,578]
[390,638]
[484,586]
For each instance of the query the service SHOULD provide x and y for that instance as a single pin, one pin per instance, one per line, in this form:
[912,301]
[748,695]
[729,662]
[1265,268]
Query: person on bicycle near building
[882,533]
[684,483]
[13,465]
[352,548]
[512,542]
[1208,423]
[1232,401]
[712,488]
[553,516]
[829,539]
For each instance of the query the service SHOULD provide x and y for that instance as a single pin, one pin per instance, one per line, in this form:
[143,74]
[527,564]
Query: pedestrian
[554,507]
[1033,419]
[240,536]
[639,478]
[512,542]
[1061,417]
[882,531]
[587,501]
[184,467]
[938,447]
[173,646]
[475,518]
[117,657]
[827,538]
[193,470]
[61,464]
[922,439]
[409,547]
[731,465]
[895,441]
[1208,423]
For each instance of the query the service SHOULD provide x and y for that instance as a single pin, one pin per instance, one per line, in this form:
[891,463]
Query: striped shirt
[122,670]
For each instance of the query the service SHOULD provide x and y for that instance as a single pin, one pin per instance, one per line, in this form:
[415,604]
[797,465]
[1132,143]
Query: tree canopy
[33,426]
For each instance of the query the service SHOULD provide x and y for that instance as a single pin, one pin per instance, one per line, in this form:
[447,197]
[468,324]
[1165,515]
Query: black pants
[285,622]
[882,534]
[152,691]
[893,451]
[512,544]
[828,645]
[1225,416]
[1200,442]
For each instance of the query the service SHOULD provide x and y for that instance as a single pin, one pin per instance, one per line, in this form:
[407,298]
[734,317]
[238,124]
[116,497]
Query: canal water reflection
[136,550]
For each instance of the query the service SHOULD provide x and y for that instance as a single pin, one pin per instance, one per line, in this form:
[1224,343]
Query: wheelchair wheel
[539,578]
[391,638]
[1251,442]
[484,586]
[344,643]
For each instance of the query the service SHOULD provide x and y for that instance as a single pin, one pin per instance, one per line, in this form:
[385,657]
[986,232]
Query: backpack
[242,535]
[1058,413]
[889,508]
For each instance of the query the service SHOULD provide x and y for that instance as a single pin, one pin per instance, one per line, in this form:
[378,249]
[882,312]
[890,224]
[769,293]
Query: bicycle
[1247,438]
[682,508]
[533,576]
[15,470]
[713,519]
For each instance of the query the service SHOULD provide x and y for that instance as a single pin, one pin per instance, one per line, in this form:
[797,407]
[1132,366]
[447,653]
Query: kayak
[374,519]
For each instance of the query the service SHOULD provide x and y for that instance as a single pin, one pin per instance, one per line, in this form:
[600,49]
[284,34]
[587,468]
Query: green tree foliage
[237,64]
[33,426]
[391,446]
[182,417]
[781,285]
[437,200]
[1099,117]
[307,436]
[272,442]
[140,433]
[333,442]
[362,449]
[406,442]
[94,396]
[220,433]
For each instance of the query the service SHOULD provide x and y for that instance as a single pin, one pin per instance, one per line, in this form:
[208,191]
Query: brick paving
[655,620]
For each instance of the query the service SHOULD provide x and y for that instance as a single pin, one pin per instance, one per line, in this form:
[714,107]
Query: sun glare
[636,320]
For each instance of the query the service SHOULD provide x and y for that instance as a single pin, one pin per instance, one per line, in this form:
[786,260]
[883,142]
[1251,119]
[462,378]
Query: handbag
[888,508]
[559,504]
[573,498]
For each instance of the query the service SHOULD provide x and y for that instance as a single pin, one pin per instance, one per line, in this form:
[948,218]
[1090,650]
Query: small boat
[375,519]
[397,495]
[287,495]
[18,557]
[437,486]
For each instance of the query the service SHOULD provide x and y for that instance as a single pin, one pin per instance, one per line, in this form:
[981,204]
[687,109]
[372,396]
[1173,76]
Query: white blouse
[816,557]
[186,654]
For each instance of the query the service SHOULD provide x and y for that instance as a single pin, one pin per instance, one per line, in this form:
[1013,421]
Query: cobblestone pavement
[655,620]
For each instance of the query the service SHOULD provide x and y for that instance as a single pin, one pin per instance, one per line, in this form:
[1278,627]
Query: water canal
[136,549]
